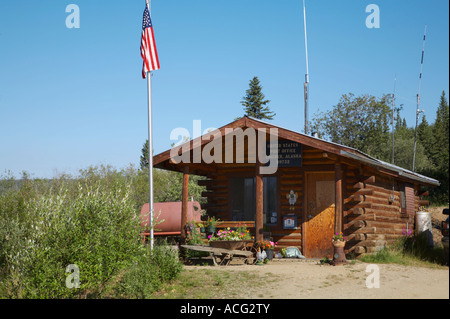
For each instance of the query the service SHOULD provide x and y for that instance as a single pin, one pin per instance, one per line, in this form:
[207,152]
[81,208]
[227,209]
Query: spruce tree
[425,136]
[144,156]
[398,119]
[440,133]
[437,146]
[254,102]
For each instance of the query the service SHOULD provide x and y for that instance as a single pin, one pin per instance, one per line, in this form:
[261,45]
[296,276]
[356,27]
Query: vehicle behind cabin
[445,233]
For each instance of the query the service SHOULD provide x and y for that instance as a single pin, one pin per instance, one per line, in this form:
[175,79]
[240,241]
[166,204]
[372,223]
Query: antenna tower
[393,110]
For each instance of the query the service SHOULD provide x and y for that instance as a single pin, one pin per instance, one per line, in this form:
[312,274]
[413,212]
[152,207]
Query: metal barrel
[170,212]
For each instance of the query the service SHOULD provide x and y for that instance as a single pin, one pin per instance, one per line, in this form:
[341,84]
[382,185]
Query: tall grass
[410,249]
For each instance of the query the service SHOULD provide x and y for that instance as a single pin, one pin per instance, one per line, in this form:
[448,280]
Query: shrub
[150,272]
[91,221]
[97,230]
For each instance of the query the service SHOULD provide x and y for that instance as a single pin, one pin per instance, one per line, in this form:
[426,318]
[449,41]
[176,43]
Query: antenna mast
[393,110]
[305,85]
[418,111]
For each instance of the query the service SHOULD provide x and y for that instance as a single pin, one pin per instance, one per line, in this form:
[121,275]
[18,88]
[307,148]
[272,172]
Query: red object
[171,213]
[148,46]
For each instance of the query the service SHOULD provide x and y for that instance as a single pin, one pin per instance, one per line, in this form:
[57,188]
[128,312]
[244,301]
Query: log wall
[217,194]
[288,178]
[373,215]
[372,212]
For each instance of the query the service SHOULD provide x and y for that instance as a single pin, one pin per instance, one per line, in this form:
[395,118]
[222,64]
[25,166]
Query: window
[409,194]
[407,199]
[403,200]
[243,199]
[270,200]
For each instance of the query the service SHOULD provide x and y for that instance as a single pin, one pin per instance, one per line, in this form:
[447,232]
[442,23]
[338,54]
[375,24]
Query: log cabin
[316,189]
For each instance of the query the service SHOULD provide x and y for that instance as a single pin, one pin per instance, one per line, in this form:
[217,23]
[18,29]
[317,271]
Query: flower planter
[338,243]
[339,254]
[229,244]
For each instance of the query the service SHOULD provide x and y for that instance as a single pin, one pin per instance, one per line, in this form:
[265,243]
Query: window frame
[277,193]
[407,198]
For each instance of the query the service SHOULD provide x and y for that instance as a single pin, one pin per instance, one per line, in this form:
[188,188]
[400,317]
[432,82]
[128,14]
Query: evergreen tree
[436,142]
[398,119]
[440,155]
[425,137]
[144,156]
[254,102]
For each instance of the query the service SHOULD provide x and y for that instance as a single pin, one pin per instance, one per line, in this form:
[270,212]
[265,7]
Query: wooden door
[320,214]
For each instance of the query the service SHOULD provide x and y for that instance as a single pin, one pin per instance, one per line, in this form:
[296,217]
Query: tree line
[365,123]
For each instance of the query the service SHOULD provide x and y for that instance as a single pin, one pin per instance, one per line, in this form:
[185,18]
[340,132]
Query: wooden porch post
[259,205]
[184,203]
[259,220]
[338,200]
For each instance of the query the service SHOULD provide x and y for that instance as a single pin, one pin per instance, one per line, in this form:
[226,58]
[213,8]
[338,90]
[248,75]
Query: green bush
[150,272]
[97,230]
[91,221]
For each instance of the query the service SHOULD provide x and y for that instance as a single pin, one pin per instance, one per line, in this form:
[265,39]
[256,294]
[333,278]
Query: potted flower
[230,239]
[202,227]
[268,246]
[211,225]
[338,240]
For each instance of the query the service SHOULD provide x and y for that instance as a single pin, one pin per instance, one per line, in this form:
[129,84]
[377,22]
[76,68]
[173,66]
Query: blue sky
[70,98]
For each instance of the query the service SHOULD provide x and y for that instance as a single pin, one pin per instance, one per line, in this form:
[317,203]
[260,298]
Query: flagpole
[150,150]
[305,85]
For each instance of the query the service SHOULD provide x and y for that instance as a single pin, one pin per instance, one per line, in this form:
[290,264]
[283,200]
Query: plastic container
[423,225]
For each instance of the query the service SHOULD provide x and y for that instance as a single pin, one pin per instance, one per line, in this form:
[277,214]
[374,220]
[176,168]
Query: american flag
[148,47]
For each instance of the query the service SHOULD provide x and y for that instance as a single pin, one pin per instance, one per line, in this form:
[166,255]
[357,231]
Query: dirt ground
[310,280]
[293,279]
[303,280]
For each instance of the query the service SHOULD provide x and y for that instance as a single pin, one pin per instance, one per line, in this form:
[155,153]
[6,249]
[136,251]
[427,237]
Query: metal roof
[362,157]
